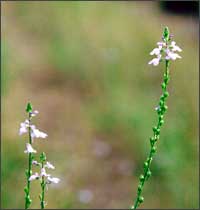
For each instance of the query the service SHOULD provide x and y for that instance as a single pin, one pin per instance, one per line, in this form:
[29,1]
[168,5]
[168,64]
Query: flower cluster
[43,177]
[43,173]
[166,51]
[35,133]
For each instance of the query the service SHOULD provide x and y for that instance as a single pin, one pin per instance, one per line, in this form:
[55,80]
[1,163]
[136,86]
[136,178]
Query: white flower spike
[29,149]
[166,51]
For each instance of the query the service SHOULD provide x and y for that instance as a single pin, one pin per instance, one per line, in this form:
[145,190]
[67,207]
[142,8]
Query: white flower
[43,173]
[155,61]
[34,162]
[156,51]
[29,149]
[34,176]
[49,165]
[34,113]
[53,180]
[167,49]
[162,44]
[35,133]
[171,55]
[157,108]
[175,47]
[23,127]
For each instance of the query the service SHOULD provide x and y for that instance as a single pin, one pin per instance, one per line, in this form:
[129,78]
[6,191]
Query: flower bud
[139,188]
[43,157]
[148,173]
[141,199]
[166,34]
[145,165]
[163,85]
[162,97]
[152,140]
[166,94]
[165,108]
[161,103]
[160,117]
[29,108]
[153,149]
[141,177]
[154,129]
[149,160]
[161,122]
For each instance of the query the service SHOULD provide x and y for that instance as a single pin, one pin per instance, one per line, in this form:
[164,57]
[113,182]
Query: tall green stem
[29,171]
[43,184]
[161,109]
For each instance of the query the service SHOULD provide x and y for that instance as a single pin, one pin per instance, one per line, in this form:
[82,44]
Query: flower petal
[53,180]
[49,165]
[34,176]
[29,149]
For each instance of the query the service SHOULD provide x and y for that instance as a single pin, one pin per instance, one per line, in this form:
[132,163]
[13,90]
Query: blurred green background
[83,65]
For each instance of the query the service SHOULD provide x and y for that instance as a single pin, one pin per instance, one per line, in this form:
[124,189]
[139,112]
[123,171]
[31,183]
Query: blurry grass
[101,86]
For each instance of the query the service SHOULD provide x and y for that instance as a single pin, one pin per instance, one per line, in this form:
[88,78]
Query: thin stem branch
[29,172]
[161,109]
[42,202]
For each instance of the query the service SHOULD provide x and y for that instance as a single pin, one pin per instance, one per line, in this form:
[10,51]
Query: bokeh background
[83,65]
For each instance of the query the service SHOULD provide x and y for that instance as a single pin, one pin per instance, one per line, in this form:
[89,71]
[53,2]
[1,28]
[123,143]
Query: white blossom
[49,165]
[29,149]
[53,180]
[34,176]
[166,51]
[34,162]
[36,133]
[155,61]
[157,108]
[171,55]
[156,51]
[23,127]
[175,47]
[34,113]
[43,173]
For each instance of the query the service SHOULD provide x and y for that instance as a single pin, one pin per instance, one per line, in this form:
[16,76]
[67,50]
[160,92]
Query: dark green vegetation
[84,67]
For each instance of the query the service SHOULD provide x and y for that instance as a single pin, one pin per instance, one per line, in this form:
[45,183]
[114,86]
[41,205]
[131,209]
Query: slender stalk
[42,183]
[161,109]
[29,171]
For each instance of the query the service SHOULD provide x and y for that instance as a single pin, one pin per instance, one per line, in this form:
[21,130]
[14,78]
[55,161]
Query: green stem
[153,140]
[29,172]
[42,202]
